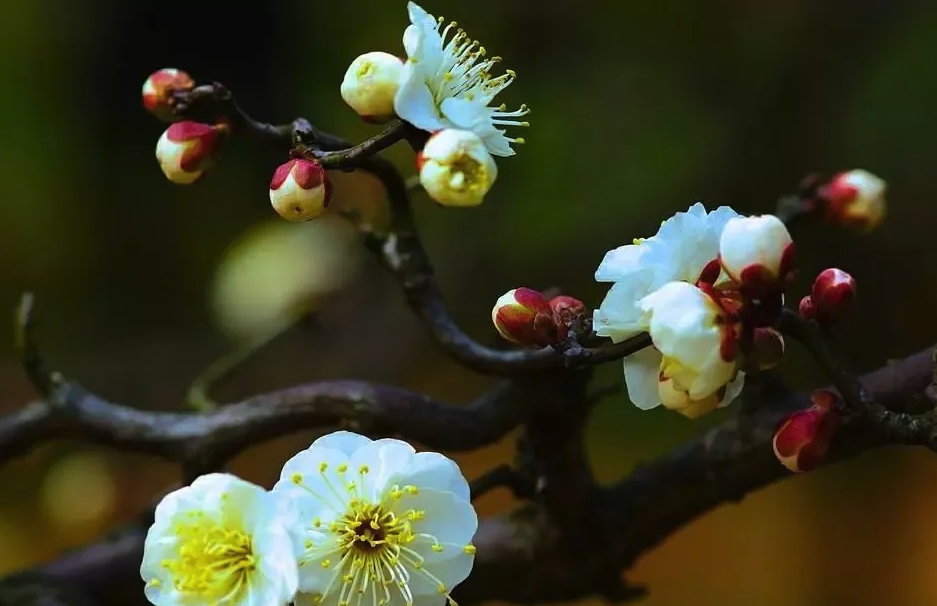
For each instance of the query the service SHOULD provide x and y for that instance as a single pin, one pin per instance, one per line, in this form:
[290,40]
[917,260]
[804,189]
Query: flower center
[466,174]
[212,561]
[368,528]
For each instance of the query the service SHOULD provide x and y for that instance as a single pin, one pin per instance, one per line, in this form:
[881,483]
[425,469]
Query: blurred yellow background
[638,109]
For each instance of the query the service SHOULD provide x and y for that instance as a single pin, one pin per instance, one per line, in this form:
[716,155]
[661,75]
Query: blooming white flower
[756,250]
[683,246]
[455,168]
[221,541]
[447,83]
[697,347]
[371,83]
[382,524]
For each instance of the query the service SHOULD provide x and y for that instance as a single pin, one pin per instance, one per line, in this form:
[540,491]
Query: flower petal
[621,263]
[343,441]
[448,518]
[385,459]
[311,477]
[414,101]
[733,389]
[642,374]
[433,470]
[462,113]
[619,317]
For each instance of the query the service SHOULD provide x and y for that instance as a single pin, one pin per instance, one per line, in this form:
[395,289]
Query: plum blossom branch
[521,557]
[70,411]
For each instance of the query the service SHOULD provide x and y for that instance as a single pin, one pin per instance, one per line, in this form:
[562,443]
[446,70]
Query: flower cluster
[700,287]
[351,521]
[444,86]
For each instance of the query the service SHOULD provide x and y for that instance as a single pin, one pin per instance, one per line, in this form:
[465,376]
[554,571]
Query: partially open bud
[855,198]
[766,349]
[565,311]
[833,291]
[757,252]
[523,316]
[158,90]
[187,149]
[370,84]
[807,310]
[456,168]
[801,441]
[300,190]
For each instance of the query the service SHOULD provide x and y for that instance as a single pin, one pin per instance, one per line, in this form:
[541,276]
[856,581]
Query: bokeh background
[639,109]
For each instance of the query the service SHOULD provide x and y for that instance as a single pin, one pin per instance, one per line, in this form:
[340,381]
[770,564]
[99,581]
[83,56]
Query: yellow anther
[442,589]
[412,490]
[323,466]
[317,522]
[326,563]
[296,478]
[520,140]
[437,548]
[342,468]
[364,469]
[469,549]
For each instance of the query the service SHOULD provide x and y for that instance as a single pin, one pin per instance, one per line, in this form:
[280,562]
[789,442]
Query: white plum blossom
[756,249]
[683,246]
[221,541]
[694,343]
[371,83]
[447,83]
[456,168]
[380,523]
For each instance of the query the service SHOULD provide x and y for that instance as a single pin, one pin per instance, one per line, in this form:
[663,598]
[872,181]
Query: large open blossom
[683,246]
[382,524]
[447,83]
[220,542]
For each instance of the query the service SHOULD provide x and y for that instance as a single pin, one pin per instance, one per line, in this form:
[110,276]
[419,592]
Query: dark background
[639,110]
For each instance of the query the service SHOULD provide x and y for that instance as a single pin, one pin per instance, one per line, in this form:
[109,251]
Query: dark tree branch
[521,556]
[401,249]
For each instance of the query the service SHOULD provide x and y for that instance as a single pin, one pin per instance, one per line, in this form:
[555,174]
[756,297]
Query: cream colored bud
[370,84]
[456,168]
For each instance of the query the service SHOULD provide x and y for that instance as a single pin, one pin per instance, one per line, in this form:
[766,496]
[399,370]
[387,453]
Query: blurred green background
[639,110]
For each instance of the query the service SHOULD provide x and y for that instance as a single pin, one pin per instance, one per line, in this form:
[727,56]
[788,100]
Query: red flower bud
[525,317]
[187,149]
[833,291]
[565,310]
[802,439]
[300,190]
[807,310]
[158,90]
[855,198]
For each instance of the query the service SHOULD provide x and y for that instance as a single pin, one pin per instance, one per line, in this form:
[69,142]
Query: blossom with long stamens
[382,525]
[447,83]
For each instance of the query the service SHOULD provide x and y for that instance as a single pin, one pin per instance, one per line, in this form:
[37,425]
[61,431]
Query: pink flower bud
[565,311]
[187,149]
[802,439]
[300,190]
[524,316]
[757,252]
[767,349]
[833,291]
[158,90]
[855,198]
[807,310]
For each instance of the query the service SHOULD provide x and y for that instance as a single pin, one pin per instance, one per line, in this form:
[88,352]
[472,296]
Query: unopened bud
[300,190]
[807,310]
[370,84]
[524,316]
[767,349]
[833,291]
[158,90]
[565,311]
[187,149]
[456,168]
[855,198]
[802,439]
[757,252]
